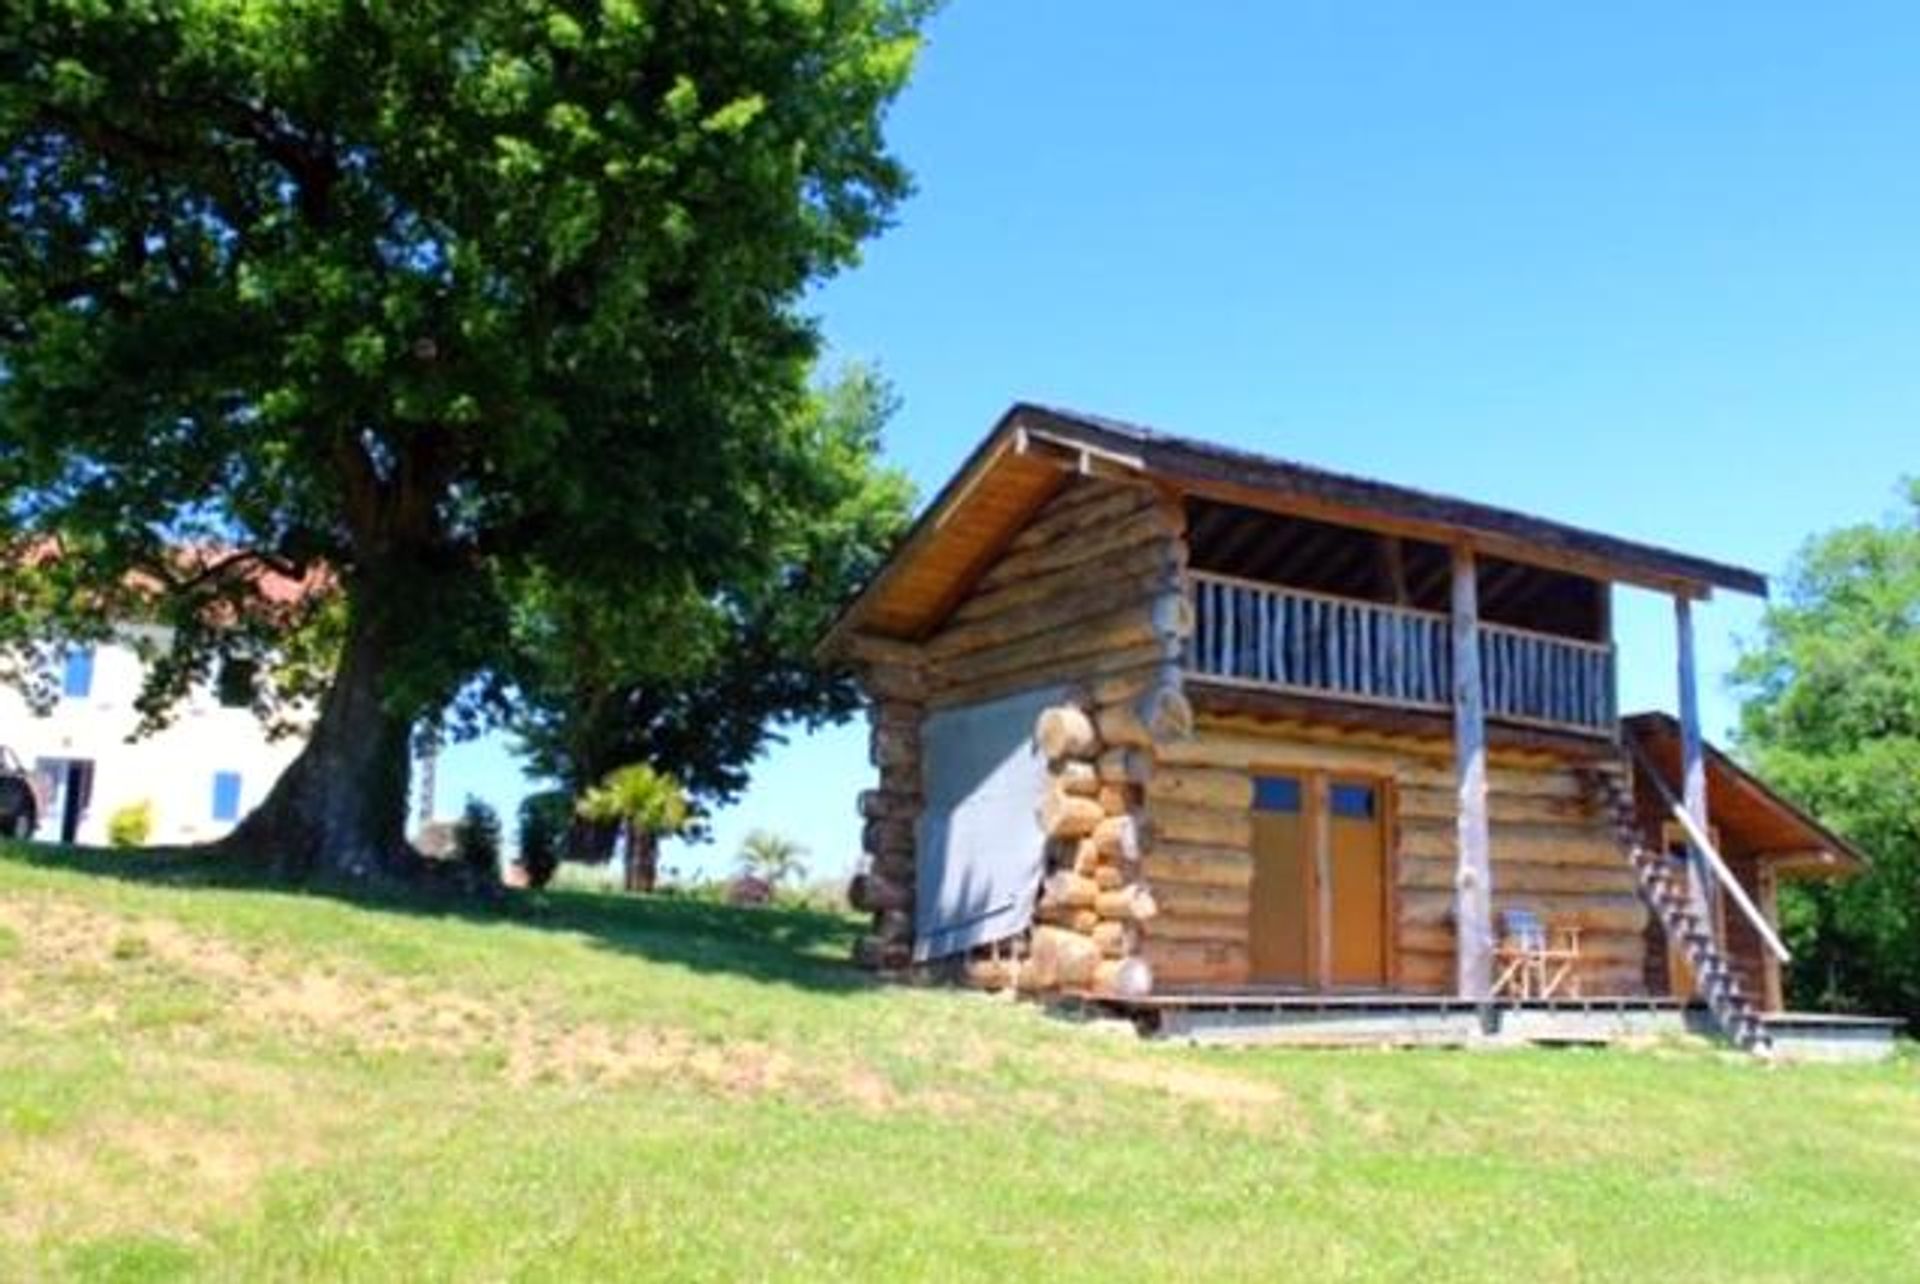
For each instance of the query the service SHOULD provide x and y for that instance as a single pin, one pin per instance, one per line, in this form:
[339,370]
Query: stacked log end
[885,885]
[1092,902]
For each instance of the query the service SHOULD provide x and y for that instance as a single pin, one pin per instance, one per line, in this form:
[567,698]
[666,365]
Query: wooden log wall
[1550,852]
[885,886]
[1088,595]
[1150,815]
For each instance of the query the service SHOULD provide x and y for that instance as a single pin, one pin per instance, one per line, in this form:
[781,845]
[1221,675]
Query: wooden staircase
[1733,1011]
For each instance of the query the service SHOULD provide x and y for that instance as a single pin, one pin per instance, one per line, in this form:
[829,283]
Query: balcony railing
[1261,635]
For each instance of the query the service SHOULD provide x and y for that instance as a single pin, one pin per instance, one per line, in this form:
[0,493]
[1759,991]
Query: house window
[1276,793]
[226,795]
[76,682]
[235,684]
[1355,802]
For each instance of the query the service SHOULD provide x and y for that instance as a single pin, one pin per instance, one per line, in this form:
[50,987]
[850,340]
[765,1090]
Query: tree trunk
[339,811]
[643,859]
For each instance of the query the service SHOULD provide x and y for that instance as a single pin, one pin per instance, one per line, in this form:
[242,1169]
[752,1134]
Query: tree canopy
[453,303]
[694,683]
[1832,715]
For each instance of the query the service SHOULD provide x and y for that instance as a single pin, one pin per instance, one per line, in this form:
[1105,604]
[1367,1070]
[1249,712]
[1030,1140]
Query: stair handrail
[1704,845]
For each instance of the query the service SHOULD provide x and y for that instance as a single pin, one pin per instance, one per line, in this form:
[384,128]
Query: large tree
[449,298]
[1832,713]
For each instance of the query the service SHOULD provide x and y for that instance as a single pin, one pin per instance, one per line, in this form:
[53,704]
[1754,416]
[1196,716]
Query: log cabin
[1154,719]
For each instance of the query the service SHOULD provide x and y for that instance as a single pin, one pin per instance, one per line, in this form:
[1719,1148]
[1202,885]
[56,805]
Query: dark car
[19,798]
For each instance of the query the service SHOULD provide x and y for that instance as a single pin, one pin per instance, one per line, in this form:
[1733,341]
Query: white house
[198,776]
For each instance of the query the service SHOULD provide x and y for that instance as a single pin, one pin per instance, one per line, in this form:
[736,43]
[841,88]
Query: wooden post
[1701,887]
[1473,880]
[1393,569]
[1771,990]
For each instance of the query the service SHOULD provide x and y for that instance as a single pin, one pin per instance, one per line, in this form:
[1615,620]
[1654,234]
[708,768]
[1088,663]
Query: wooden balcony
[1266,637]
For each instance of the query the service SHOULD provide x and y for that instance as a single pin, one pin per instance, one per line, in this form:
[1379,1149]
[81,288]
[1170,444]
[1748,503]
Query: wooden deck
[1253,1016]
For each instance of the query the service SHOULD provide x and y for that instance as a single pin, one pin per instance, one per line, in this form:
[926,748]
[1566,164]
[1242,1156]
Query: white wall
[171,769]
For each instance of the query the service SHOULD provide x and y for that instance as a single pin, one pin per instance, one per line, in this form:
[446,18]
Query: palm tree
[772,857]
[648,804]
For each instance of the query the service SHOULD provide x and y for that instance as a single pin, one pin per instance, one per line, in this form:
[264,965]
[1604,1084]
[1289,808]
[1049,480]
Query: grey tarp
[981,852]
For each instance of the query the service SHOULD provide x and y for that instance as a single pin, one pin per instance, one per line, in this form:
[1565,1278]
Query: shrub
[476,840]
[545,819]
[131,825]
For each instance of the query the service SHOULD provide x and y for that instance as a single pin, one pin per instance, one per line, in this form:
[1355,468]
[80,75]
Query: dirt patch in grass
[162,1165]
[1238,1099]
[265,991]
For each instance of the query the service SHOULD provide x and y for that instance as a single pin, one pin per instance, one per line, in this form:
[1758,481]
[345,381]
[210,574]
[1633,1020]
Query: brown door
[1279,928]
[1357,881]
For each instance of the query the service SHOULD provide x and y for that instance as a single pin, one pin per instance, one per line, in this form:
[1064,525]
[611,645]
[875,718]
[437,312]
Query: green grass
[205,1079]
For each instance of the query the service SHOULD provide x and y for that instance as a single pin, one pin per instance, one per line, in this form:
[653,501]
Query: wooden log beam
[1184,902]
[1624,913]
[1077,776]
[1116,939]
[1079,919]
[1159,621]
[1519,843]
[1192,930]
[874,893]
[1428,873]
[879,954]
[1473,893]
[1125,766]
[1441,805]
[1132,903]
[1702,890]
[886,804]
[1157,559]
[1129,978]
[1198,865]
[1208,826]
[1195,962]
[1158,714]
[1064,887]
[1078,508]
[1144,527]
[1118,839]
[1065,732]
[1069,664]
[1065,815]
[1047,615]
[1061,958]
[1201,786]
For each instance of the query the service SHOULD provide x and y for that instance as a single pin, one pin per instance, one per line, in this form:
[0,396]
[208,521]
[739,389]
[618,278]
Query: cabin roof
[1034,450]
[1745,808]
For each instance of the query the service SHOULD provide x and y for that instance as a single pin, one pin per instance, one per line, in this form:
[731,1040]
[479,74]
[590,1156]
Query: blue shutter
[226,795]
[77,681]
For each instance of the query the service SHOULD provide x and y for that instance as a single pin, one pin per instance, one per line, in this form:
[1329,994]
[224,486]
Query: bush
[545,819]
[131,825]
[476,840]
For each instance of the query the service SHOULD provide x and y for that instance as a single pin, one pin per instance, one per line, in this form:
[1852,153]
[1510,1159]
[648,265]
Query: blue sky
[1649,268]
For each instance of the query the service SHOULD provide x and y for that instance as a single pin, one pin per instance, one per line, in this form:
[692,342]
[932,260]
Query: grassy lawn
[205,1080]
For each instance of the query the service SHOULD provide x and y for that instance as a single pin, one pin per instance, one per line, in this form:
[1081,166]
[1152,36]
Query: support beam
[1701,888]
[1473,880]
[1393,569]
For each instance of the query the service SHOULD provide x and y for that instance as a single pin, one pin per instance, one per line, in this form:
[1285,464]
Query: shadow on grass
[776,945]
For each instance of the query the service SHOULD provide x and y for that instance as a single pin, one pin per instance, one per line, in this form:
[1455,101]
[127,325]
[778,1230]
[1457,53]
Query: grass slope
[205,1080]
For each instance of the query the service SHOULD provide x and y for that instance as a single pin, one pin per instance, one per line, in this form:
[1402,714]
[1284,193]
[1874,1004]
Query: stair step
[1733,1013]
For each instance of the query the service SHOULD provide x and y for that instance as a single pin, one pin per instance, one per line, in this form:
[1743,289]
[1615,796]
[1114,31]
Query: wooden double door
[1321,894]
